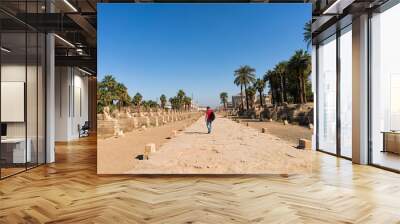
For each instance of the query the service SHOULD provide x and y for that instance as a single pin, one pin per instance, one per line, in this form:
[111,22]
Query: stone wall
[294,113]
[117,123]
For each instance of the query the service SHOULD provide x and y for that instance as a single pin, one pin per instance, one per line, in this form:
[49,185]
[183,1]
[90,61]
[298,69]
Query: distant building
[194,106]
[266,99]
[168,105]
[229,105]
[202,108]
[236,101]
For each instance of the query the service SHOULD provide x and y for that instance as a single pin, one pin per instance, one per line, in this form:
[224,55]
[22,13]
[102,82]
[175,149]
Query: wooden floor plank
[70,191]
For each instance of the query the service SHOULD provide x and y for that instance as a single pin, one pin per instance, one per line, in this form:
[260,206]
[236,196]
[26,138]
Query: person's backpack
[212,116]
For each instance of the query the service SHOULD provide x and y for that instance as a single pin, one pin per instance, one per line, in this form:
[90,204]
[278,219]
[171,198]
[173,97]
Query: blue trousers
[209,125]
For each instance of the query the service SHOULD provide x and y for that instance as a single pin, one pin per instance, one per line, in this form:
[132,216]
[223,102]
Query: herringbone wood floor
[69,191]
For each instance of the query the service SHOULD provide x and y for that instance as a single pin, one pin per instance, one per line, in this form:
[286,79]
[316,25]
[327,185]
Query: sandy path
[117,155]
[231,148]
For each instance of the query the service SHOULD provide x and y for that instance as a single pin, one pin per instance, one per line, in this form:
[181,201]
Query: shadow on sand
[195,132]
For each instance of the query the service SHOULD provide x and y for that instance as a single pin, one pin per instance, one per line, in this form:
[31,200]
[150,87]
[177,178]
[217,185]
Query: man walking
[210,116]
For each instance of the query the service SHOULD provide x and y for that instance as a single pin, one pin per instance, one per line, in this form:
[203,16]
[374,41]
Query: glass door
[385,89]
[327,95]
[14,155]
[346,95]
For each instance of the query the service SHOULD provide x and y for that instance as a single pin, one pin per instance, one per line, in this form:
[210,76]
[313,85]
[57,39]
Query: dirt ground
[291,133]
[117,155]
[231,148]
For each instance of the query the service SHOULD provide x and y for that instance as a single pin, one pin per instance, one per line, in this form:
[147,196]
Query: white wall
[12,73]
[80,111]
[33,127]
[62,82]
[71,87]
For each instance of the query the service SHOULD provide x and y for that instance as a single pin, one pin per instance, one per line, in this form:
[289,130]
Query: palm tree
[251,93]
[109,82]
[171,101]
[259,85]
[174,102]
[307,33]
[151,103]
[107,90]
[266,78]
[122,95]
[187,102]
[224,98]
[137,100]
[239,82]
[271,77]
[163,101]
[181,97]
[245,76]
[281,71]
[300,64]
[145,104]
[101,101]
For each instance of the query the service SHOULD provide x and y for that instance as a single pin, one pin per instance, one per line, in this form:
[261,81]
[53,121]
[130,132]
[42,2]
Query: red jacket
[208,113]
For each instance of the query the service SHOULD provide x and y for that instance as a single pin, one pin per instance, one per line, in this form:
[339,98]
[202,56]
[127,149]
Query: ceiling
[74,22]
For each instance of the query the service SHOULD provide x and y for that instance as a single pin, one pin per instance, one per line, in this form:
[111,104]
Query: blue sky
[157,49]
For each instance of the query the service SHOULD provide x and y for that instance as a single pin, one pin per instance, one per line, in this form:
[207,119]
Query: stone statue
[115,114]
[127,112]
[106,114]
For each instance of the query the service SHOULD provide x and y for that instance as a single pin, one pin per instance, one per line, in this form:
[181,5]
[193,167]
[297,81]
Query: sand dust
[231,148]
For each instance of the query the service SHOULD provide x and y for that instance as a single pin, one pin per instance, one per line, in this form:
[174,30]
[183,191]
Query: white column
[314,90]
[360,90]
[50,92]
[50,101]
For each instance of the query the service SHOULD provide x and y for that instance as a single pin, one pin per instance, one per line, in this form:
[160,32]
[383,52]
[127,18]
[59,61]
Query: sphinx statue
[126,113]
[106,114]
[115,114]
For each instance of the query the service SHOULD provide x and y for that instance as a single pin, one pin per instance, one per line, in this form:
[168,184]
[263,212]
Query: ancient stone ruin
[118,122]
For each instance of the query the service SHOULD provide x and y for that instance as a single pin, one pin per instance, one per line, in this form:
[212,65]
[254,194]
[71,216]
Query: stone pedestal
[149,149]
[304,144]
